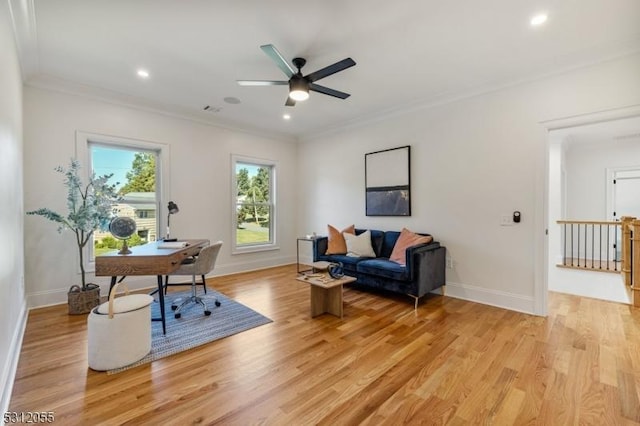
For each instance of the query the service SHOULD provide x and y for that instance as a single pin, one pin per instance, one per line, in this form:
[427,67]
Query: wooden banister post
[635,265]
[626,248]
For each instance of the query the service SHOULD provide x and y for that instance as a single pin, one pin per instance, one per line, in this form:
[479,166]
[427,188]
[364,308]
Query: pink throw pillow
[405,240]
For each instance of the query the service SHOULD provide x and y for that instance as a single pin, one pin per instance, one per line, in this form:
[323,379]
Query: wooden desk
[147,259]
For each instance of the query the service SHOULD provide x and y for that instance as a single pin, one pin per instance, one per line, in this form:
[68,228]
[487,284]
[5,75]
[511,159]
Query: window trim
[83,154]
[273,245]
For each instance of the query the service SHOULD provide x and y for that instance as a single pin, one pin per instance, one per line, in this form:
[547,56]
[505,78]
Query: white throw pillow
[359,245]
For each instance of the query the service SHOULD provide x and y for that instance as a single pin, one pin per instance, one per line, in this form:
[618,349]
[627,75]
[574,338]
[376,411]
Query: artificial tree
[90,207]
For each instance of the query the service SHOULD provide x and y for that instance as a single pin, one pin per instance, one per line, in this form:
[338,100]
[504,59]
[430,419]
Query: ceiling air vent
[209,108]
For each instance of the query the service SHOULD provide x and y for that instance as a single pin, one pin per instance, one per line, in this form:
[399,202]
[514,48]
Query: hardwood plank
[448,362]
[508,412]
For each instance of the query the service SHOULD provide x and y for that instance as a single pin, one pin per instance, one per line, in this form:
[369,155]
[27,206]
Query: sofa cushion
[377,237]
[359,245]
[384,268]
[337,245]
[405,240]
[348,262]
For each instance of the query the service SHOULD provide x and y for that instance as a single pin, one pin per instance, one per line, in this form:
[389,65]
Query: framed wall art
[388,182]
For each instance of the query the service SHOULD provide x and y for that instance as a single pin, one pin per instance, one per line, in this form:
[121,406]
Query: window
[134,173]
[139,168]
[253,204]
[145,214]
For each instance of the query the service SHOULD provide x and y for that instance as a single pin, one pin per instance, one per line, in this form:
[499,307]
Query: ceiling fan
[299,85]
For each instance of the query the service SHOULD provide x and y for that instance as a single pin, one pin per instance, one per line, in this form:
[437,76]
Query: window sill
[254,249]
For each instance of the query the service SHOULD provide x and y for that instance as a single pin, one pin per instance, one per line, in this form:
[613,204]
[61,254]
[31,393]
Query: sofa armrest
[320,245]
[426,267]
[414,254]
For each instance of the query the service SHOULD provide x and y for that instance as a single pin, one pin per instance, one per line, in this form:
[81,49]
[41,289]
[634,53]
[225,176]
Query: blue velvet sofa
[424,270]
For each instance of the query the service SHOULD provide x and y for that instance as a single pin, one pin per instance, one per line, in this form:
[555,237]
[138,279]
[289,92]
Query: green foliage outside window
[109,243]
[254,195]
[254,204]
[142,176]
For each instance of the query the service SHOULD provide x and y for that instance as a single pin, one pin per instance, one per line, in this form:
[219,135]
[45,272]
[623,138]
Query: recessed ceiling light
[143,73]
[286,117]
[539,19]
[232,100]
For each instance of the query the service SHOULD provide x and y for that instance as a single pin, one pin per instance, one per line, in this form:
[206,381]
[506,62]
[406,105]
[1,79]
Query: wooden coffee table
[326,293]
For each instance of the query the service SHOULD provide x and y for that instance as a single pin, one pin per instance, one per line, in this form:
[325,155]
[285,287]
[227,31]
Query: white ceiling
[408,53]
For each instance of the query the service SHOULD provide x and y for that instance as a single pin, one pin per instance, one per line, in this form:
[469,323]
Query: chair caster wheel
[207,313]
[217,303]
[178,315]
[174,307]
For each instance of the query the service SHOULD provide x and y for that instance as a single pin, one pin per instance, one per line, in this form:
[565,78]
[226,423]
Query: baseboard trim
[257,265]
[58,296]
[11,367]
[497,298]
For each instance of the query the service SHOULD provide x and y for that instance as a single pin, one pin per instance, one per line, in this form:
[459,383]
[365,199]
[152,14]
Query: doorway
[584,160]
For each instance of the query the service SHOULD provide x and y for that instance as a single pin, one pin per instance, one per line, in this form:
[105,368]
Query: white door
[626,194]
[626,200]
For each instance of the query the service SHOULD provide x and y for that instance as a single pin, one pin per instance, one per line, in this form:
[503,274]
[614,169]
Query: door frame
[542,243]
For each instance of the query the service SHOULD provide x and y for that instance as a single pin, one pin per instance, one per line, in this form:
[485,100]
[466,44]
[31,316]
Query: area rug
[194,328]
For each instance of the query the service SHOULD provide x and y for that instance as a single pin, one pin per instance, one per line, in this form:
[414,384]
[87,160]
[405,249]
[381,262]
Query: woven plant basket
[82,302]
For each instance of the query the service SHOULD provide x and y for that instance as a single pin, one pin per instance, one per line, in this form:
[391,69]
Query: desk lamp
[173,209]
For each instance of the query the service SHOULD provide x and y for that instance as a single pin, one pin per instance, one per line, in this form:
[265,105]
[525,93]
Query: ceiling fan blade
[328,91]
[261,83]
[273,53]
[290,102]
[331,69]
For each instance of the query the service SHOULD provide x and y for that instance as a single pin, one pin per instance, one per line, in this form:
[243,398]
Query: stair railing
[591,245]
[631,257]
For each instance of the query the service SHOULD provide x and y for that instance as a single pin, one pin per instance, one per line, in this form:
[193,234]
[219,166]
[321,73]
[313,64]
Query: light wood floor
[449,362]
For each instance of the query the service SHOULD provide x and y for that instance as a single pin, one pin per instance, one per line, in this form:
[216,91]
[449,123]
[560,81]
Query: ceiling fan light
[299,95]
[298,89]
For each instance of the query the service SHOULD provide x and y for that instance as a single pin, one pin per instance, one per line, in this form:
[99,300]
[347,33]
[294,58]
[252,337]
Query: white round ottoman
[119,331]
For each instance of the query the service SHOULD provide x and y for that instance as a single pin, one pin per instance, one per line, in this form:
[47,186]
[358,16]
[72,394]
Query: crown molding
[55,84]
[441,99]
[592,118]
[23,20]
[91,92]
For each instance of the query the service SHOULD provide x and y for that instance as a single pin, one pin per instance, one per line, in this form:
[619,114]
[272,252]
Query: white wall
[13,311]
[586,165]
[200,182]
[473,160]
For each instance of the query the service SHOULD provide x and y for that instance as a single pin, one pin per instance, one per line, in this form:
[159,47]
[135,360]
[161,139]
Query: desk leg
[113,282]
[161,298]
